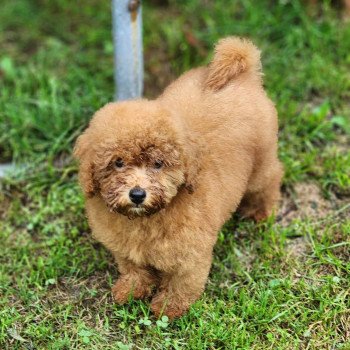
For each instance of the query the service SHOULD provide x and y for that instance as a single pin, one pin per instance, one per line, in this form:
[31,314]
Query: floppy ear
[192,161]
[84,154]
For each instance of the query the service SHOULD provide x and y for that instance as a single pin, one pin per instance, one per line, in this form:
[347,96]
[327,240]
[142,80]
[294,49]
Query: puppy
[161,177]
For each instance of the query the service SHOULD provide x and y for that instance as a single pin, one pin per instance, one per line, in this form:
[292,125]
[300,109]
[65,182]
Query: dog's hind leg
[134,282]
[263,192]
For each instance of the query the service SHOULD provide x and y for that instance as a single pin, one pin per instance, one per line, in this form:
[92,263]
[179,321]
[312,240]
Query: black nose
[137,195]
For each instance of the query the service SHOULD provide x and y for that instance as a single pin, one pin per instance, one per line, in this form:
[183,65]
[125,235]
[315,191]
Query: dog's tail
[232,57]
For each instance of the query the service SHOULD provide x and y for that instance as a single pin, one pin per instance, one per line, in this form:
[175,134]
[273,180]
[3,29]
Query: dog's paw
[260,215]
[130,287]
[165,304]
[253,213]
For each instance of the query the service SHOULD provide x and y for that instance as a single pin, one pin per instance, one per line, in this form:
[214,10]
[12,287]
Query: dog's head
[135,156]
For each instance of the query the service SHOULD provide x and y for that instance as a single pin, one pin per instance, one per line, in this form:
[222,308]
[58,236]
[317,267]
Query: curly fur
[215,132]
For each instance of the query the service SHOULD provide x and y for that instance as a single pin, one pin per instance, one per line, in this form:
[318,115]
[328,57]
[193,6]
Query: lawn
[280,284]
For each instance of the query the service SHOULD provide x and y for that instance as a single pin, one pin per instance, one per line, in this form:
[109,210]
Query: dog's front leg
[134,281]
[178,290]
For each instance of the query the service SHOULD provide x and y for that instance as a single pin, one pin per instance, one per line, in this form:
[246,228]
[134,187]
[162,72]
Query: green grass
[276,285]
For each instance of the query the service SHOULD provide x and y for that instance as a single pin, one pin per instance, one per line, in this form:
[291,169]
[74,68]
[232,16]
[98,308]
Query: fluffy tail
[232,57]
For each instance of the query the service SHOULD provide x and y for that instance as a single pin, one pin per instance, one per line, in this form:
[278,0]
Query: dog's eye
[119,163]
[158,164]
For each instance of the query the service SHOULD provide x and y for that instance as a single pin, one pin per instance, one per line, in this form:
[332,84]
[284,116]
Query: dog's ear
[192,161]
[83,152]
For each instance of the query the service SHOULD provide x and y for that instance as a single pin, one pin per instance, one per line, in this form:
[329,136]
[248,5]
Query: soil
[306,202]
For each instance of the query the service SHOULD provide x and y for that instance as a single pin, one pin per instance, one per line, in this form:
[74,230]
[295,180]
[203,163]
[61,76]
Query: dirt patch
[86,291]
[343,143]
[297,247]
[305,201]
[5,204]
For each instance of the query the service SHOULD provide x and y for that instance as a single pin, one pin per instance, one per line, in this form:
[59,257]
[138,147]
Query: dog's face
[140,180]
[133,158]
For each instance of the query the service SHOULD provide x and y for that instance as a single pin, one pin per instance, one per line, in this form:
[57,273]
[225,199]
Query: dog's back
[228,93]
[225,106]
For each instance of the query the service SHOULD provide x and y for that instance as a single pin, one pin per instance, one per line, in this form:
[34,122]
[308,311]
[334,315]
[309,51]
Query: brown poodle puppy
[161,177]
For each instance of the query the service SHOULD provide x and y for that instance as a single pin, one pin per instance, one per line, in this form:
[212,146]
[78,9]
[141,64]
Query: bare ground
[306,202]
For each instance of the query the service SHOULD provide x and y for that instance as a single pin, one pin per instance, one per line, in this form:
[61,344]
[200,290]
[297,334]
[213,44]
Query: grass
[276,285]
